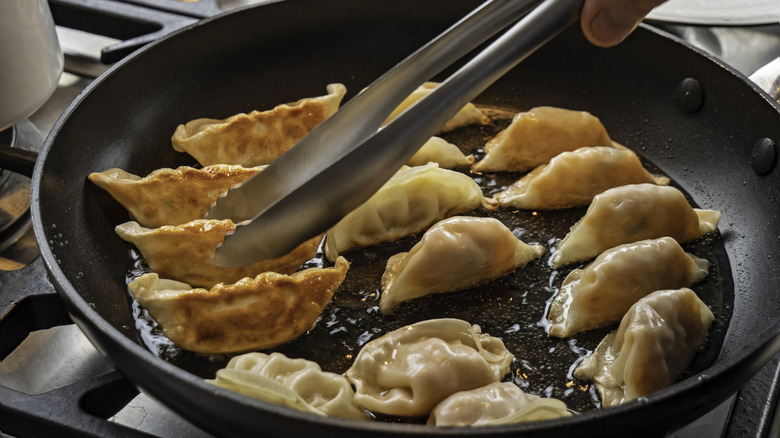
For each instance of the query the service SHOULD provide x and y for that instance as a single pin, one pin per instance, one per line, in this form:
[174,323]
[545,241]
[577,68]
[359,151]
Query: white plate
[718,12]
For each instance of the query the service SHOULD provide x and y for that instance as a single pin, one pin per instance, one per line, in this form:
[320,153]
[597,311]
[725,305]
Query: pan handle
[17,160]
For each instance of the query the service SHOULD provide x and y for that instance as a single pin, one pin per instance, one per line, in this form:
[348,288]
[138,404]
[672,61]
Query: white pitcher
[31,59]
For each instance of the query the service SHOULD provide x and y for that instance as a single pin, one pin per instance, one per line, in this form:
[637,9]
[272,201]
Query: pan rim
[80,306]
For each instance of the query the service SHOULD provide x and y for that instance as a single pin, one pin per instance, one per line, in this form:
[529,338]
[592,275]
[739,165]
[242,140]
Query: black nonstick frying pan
[696,120]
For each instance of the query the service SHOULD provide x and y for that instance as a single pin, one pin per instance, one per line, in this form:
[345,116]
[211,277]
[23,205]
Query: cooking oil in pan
[512,308]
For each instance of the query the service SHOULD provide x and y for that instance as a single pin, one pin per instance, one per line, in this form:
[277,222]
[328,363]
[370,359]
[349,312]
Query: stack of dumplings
[200,306]
[626,269]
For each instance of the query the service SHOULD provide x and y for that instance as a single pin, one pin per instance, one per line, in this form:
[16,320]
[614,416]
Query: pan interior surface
[235,63]
[513,307]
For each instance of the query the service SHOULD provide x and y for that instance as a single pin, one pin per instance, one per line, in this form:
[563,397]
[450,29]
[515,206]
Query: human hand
[606,23]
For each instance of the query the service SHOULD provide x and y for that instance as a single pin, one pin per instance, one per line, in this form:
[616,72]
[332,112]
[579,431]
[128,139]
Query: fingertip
[607,29]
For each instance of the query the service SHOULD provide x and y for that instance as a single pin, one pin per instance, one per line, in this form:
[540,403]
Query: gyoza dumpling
[171,196]
[493,405]
[412,200]
[454,254]
[183,252]
[296,383]
[442,152]
[535,136]
[601,293]
[468,115]
[251,314]
[630,213]
[412,369]
[655,343]
[258,137]
[573,178]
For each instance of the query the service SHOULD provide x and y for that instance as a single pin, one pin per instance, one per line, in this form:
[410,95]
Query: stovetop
[56,362]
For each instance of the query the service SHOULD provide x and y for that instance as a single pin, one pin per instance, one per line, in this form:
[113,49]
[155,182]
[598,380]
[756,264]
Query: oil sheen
[512,308]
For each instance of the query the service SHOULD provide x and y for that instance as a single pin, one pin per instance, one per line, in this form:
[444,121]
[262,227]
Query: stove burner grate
[80,409]
[135,22]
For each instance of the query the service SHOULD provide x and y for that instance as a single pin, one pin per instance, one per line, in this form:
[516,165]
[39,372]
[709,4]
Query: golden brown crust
[183,252]
[258,137]
[251,314]
[171,196]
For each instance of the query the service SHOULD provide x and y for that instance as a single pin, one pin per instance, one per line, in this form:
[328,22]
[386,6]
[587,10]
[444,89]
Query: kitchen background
[54,363]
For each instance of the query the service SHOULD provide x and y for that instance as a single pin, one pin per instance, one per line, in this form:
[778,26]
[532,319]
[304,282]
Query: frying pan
[697,120]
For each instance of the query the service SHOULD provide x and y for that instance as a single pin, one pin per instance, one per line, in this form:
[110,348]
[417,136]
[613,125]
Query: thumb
[606,23]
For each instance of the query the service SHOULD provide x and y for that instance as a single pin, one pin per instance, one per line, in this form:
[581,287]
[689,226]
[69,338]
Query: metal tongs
[347,158]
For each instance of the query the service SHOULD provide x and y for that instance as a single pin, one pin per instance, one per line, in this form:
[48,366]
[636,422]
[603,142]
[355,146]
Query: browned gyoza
[118,123]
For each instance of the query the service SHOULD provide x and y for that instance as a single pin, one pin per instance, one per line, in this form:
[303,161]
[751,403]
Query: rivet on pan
[689,95]
[763,156]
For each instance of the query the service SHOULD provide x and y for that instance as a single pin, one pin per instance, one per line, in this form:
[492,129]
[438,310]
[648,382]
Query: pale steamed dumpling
[468,115]
[410,370]
[440,151]
[654,344]
[573,178]
[630,213]
[296,383]
[602,292]
[411,201]
[454,254]
[536,136]
[495,404]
